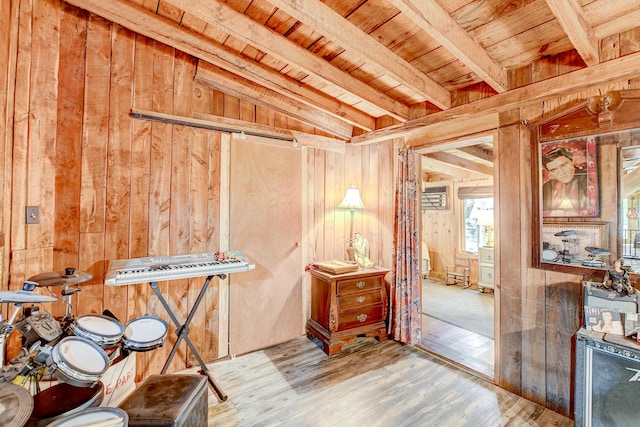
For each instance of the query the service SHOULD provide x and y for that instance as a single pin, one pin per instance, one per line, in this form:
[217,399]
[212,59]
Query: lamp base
[351,253]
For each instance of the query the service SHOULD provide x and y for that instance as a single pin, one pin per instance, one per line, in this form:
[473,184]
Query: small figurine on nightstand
[619,278]
[362,251]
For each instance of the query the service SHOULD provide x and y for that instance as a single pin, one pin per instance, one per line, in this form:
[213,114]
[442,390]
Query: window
[478,223]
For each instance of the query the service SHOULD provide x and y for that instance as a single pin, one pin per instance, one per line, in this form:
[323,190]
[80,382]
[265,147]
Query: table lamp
[351,201]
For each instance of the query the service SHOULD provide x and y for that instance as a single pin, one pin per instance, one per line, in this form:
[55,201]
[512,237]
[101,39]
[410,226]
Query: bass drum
[145,333]
[79,362]
[112,417]
[61,400]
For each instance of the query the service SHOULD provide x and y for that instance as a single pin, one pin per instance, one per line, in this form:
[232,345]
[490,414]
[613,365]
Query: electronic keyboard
[171,267]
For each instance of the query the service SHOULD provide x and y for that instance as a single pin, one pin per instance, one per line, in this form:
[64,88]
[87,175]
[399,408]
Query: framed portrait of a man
[569,178]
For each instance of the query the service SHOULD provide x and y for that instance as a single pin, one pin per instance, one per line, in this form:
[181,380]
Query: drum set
[70,355]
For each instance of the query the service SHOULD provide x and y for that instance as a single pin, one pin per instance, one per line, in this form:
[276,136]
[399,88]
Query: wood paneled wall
[540,311]
[109,186]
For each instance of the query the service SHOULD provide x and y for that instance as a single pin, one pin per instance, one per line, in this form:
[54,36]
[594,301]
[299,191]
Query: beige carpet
[467,308]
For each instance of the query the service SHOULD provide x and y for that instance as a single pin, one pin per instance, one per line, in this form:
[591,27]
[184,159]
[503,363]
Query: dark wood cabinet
[347,306]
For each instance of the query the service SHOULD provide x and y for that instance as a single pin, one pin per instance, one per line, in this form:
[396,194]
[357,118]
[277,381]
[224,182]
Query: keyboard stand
[182,330]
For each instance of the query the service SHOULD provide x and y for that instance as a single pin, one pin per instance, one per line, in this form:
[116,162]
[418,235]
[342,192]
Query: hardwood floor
[369,383]
[454,343]
[459,346]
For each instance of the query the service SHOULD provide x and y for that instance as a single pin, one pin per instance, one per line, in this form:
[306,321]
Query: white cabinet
[485,268]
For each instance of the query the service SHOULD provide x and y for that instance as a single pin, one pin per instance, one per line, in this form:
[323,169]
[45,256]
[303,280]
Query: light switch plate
[33,215]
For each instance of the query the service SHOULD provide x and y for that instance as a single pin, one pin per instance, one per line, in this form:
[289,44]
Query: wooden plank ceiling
[351,68]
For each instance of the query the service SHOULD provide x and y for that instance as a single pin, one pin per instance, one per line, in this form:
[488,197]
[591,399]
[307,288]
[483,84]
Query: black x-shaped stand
[182,330]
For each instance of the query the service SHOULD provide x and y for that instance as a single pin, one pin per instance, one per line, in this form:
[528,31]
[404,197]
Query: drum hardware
[70,276]
[61,278]
[78,361]
[39,326]
[593,259]
[18,298]
[16,403]
[105,331]
[565,233]
[145,333]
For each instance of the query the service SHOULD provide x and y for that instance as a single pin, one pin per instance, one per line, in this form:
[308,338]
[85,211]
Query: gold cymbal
[61,278]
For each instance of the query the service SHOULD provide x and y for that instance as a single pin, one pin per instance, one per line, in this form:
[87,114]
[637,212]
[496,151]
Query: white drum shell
[93,416]
[103,330]
[79,361]
[145,333]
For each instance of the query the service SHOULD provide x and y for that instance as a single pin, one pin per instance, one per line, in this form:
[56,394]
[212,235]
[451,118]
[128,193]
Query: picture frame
[566,243]
[569,178]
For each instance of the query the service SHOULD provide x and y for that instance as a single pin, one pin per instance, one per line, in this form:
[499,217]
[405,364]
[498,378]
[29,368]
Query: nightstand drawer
[358,285]
[486,275]
[359,300]
[486,255]
[348,319]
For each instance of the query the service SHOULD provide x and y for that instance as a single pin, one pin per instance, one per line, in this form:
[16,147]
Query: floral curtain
[405,307]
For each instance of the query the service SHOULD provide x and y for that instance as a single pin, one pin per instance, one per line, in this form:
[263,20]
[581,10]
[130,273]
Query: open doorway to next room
[457,247]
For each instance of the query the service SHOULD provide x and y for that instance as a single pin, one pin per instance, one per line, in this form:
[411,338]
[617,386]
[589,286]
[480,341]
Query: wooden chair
[460,272]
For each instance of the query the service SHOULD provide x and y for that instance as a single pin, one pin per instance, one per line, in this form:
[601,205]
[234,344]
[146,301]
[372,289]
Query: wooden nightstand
[346,306]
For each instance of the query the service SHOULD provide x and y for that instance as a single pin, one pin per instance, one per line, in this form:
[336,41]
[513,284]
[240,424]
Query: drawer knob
[361,318]
[361,299]
[360,285]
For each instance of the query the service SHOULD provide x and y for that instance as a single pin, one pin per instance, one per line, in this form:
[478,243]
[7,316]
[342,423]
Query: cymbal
[24,296]
[17,404]
[60,278]
[565,233]
[597,251]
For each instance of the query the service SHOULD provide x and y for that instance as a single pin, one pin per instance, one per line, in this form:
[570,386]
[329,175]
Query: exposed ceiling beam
[479,152]
[432,18]
[155,27]
[571,18]
[321,18]
[459,162]
[225,81]
[606,71]
[456,143]
[431,165]
[278,46]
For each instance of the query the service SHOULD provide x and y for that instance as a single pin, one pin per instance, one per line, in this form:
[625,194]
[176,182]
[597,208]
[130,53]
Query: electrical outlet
[33,215]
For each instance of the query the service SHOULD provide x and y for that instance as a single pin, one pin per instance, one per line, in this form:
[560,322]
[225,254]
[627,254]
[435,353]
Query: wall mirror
[586,185]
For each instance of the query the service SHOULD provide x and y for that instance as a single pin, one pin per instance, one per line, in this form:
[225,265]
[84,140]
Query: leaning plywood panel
[265,191]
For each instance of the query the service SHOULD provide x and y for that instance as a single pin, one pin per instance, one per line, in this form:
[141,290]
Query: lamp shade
[352,199]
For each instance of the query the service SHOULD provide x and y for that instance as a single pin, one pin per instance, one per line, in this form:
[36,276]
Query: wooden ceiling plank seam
[576,80]
[571,18]
[169,33]
[271,42]
[433,19]
[326,21]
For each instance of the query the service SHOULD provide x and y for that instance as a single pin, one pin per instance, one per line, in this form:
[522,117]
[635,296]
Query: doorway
[458,319]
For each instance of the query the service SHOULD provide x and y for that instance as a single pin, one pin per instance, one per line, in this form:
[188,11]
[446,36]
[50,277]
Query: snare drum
[79,362]
[112,417]
[145,333]
[102,330]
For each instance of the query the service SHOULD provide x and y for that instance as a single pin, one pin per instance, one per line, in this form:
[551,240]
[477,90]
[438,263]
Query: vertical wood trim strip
[224,237]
